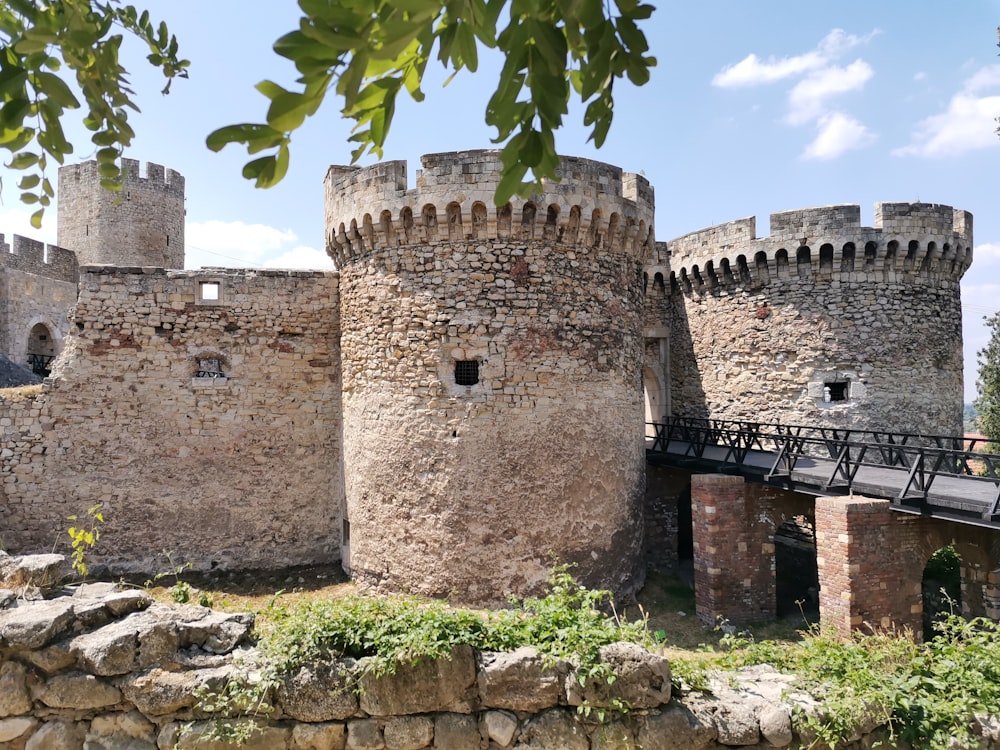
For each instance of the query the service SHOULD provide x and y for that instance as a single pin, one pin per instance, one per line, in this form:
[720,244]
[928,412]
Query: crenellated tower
[491,365]
[823,322]
[142,225]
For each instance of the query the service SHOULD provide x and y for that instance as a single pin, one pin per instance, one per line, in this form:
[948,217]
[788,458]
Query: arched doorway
[42,349]
[941,587]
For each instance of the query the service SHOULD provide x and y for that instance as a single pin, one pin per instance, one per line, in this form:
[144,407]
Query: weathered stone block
[408,732]
[14,696]
[555,729]
[320,693]
[76,690]
[439,685]
[642,679]
[520,680]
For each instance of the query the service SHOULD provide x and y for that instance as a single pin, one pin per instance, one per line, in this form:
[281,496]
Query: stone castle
[463,400]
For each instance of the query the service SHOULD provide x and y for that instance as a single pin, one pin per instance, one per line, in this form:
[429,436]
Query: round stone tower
[143,225]
[824,322]
[491,375]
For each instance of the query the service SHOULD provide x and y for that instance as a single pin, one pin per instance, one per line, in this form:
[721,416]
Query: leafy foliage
[928,695]
[368,51]
[988,382]
[84,538]
[37,39]
[566,624]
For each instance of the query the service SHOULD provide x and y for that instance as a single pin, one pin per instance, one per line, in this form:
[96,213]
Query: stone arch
[891,255]
[551,222]
[354,237]
[760,264]
[504,220]
[713,278]
[368,232]
[42,346]
[453,214]
[947,258]
[781,263]
[871,253]
[429,217]
[654,395]
[930,260]
[803,262]
[911,255]
[727,272]
[528,213]
[386,231]
[826,258]
[480,222]
[743,270]
[406,223]
[594,232]
[614,229]
[685,281]
[658,281]
[847,258]
[573,225]
[699,282]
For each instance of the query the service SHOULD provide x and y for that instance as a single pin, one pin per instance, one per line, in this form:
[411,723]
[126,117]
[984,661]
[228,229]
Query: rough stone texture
[319,693]
[143,225]
[147,708]
[442,685]
[240,470]
[642,679]
[546,299]
[520,680]
[761,324]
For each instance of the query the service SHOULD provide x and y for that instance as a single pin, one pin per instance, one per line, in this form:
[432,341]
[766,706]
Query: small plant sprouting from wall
[85,537]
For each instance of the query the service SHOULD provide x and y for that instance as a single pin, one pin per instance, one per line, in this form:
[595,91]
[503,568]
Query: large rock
[320,693]
[57,735]
[642,679]
[121,731]
[76,690]
[520,680]
[319,736]
[14,696]
[157,692]
[428,685]
[15,727]
[554,729]
[35,624]
[674,728]
[41,571]
[408,732]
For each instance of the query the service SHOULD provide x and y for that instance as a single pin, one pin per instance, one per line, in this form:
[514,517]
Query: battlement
[156,177]
[594,204]
[916,241]
[33,256]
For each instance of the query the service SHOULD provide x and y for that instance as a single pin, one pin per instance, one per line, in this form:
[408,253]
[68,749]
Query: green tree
[42,42]
[363,51]
[988,382]
[367,51]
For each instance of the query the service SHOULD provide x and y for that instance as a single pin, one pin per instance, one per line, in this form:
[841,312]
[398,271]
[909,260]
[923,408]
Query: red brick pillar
[733,552]
[865,580]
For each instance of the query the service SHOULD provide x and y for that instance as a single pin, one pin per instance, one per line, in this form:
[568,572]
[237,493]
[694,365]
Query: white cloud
[988,252]
[919,75]
[807,100]
[302,257]
[751,70]
[838,133]
[968,124]
[232,243]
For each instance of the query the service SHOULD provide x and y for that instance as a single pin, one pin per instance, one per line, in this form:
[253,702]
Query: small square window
[835,391]
[209,367]
[208,291]
[466,371]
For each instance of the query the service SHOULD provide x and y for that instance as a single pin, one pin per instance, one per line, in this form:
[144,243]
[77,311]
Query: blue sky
[755,107]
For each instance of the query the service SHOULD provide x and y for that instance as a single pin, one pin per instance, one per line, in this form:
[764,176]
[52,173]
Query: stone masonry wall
[238,467]
[142,225]
[469,490]
[761,326]
[111,669]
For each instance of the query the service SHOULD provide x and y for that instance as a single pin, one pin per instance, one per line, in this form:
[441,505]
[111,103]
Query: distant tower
[491,375]
[143,225]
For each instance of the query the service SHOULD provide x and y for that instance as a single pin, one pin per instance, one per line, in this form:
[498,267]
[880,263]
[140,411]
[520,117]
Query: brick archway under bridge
[870,560]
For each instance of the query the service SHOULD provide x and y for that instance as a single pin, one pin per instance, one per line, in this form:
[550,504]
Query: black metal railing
[840,452]
[40,364]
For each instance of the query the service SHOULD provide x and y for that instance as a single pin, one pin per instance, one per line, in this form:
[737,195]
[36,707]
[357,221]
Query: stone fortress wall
[825,321]
[37,289]
[465,487]
[141,225]
[206,427]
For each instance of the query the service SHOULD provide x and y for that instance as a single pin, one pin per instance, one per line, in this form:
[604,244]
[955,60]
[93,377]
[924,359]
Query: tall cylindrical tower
[824,322]
[491,375]
[142,225]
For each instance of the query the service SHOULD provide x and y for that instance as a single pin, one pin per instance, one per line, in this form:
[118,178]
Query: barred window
[466,371]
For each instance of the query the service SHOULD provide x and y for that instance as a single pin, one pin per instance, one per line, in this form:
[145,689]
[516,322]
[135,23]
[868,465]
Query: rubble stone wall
[761,326]
[467,490]
[201,409]
[110,669]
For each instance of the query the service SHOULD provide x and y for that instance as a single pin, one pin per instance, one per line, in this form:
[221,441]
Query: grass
[21,392]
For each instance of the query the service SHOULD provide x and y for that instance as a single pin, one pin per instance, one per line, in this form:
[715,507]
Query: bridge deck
[967,499]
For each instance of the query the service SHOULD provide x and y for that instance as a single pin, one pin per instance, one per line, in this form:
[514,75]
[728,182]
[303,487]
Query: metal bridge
[955,478]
